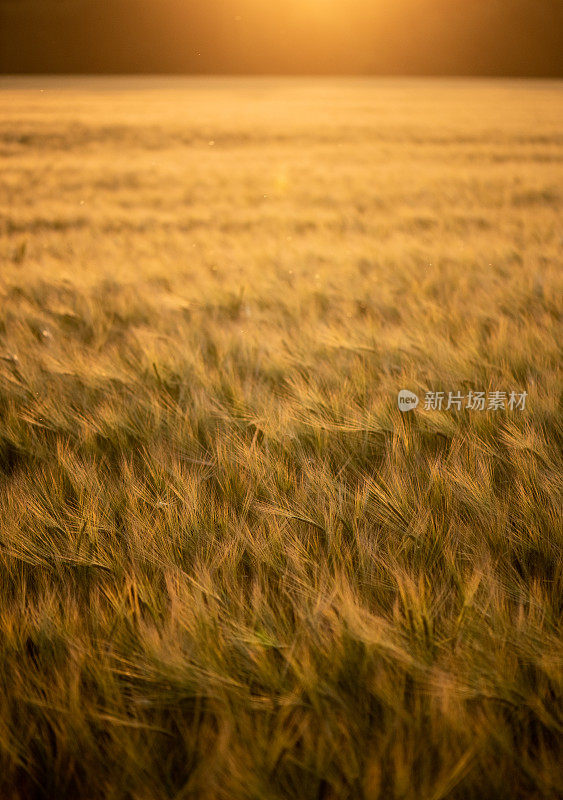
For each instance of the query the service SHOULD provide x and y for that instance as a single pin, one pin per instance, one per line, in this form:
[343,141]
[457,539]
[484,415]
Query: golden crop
[229,566]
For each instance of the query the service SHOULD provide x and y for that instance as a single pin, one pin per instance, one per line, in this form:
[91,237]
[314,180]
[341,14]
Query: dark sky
[443,37]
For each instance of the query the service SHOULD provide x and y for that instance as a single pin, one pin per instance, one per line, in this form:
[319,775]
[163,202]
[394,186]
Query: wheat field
[230,567]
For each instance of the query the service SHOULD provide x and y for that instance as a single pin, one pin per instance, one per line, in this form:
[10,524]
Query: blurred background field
[229,567]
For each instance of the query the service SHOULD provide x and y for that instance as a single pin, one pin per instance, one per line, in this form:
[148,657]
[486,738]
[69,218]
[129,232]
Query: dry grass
[229,567]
